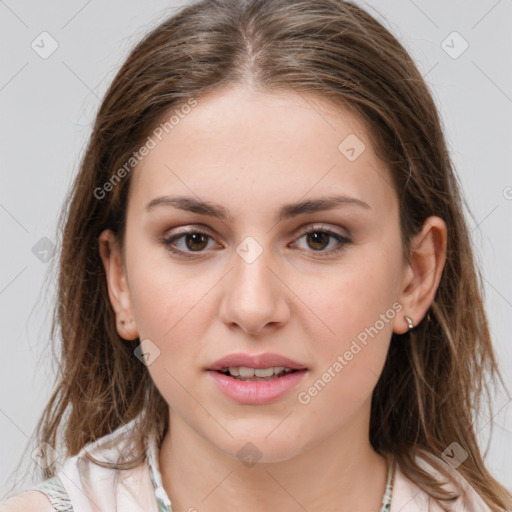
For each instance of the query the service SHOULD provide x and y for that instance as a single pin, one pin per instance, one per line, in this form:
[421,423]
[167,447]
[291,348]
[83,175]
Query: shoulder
[66,488]
[47,495]
[27,501]
[409,497]
[111,473]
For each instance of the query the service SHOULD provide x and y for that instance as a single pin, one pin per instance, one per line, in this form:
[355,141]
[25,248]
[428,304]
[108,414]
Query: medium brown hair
[434,377]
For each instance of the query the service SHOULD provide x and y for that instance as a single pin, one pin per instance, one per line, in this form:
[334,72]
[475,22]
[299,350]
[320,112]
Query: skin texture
[27,501]
[251,153]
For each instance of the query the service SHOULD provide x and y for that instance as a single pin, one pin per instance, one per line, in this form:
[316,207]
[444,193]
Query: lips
[266,360]
[256,390]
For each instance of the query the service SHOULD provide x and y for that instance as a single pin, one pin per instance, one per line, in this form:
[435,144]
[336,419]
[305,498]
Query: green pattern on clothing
[164,503]
[56,493]
[386,499]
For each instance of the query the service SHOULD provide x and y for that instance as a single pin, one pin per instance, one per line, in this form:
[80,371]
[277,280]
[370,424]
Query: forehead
[238,145]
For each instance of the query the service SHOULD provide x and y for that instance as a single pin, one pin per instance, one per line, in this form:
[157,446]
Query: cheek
[164,295]
[173,318]
[368,289]
[348,301]
[169,310]
[357,306]
[348,363]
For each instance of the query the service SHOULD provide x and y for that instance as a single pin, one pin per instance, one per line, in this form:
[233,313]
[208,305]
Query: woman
[267,292]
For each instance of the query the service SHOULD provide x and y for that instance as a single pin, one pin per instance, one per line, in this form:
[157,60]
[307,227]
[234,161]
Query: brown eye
[196,241]
[318,240]
[185,244]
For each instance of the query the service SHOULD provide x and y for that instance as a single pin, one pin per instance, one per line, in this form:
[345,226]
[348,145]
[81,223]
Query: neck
[340,474]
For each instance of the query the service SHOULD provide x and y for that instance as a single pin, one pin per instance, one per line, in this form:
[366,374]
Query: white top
[83,486]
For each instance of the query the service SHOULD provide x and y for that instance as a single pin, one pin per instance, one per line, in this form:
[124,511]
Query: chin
[261,449]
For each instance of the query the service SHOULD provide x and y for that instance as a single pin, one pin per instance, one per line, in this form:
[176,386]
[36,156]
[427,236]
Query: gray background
[47,107]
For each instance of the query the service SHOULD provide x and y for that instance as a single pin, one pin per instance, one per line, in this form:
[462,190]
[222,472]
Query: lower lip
[256,392]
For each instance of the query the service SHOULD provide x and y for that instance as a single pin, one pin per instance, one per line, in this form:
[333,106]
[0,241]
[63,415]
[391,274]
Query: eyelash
[343,241]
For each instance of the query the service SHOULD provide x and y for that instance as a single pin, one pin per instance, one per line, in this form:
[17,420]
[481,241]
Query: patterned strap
[386,499]
[56,493]
[162,499]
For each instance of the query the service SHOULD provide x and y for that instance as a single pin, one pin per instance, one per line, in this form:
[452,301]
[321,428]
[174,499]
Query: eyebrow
[287,211]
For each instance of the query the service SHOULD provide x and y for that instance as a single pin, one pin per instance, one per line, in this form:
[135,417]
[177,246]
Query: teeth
[263,372]
[244,372]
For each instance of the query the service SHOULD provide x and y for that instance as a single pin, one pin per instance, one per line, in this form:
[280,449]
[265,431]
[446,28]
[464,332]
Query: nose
[254,296]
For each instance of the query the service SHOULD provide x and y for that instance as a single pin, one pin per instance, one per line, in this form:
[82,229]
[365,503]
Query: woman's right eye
[190,241]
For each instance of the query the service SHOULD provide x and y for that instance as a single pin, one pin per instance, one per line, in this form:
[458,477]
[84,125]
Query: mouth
[244,373]
[248,388]
[256,379]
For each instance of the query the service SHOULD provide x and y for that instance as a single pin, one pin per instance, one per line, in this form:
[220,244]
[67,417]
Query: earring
[409,322]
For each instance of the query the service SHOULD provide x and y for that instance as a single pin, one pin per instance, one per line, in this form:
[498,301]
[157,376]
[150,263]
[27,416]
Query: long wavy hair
[434,377]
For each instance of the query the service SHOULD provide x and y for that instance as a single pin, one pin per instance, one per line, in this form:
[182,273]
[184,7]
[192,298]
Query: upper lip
[266,360]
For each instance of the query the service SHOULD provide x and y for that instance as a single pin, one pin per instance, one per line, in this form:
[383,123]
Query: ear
[117,283]
[423,273]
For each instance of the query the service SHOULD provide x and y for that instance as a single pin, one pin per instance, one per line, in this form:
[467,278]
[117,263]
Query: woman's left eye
[197,242]
[319,239]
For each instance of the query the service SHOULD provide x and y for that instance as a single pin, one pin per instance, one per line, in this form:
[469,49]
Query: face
[320,286]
